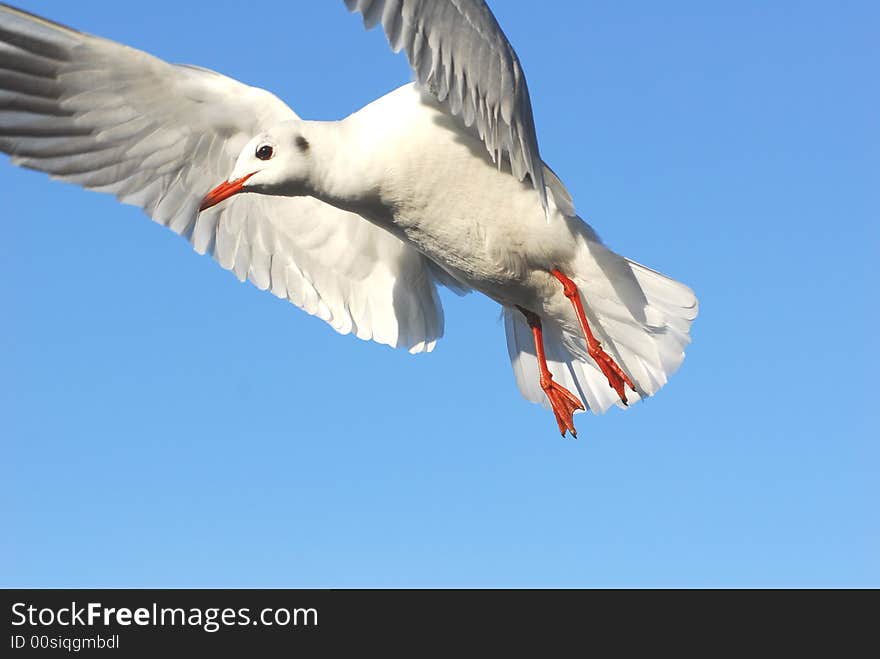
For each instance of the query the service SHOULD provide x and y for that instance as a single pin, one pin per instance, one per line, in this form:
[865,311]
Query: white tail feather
[641,317]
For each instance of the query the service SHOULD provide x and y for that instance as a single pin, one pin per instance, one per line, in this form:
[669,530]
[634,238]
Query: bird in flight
[357,221]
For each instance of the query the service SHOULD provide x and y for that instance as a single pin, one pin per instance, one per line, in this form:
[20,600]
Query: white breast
[454,204]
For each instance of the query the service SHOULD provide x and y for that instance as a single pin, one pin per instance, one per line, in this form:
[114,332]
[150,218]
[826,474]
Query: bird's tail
[641,318]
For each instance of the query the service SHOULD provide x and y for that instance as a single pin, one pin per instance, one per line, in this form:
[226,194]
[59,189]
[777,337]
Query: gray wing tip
[34,18]
[435,73]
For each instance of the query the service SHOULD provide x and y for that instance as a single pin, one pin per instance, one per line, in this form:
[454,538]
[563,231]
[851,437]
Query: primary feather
[461,55]
[114,119]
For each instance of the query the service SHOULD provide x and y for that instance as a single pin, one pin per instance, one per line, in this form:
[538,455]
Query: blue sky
[164,425]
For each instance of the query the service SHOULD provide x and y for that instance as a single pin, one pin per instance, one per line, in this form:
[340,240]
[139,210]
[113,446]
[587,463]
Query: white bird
[357,220]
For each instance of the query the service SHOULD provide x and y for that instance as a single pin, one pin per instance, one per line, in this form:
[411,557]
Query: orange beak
[224,191]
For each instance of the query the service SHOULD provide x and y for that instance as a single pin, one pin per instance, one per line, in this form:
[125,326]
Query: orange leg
[616,377]
[564,402]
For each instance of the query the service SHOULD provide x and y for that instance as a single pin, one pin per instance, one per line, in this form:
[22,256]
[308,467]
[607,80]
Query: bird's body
[356,221]
[406,165]
[409,167]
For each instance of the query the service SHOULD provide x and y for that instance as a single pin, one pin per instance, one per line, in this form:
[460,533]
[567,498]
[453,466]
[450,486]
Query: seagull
[358,221]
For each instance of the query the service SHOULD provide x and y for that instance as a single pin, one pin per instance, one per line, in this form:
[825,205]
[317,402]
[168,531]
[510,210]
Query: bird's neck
[344,172]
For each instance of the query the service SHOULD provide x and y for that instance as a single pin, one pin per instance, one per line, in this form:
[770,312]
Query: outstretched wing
[459,52]
[160,136]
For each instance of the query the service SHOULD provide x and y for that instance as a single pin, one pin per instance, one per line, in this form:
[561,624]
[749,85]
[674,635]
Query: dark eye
[265,152]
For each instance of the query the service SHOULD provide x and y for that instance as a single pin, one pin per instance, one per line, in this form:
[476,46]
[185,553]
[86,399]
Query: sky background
[164,425]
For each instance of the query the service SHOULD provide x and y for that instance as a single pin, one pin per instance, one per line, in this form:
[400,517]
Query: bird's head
[275,162]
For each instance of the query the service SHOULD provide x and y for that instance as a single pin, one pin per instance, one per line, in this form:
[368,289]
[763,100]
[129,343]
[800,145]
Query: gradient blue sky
[164,425]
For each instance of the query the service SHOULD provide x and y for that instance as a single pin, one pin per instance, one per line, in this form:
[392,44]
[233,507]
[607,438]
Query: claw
[617,379]
[564,404]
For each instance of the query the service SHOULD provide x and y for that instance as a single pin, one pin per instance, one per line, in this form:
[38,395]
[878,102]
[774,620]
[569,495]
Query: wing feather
[461,55]
[159,136]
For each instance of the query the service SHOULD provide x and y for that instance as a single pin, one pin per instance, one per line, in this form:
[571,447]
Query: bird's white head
[276,162]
